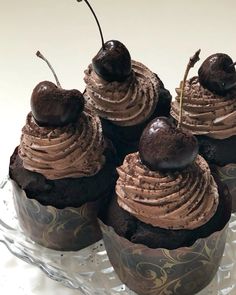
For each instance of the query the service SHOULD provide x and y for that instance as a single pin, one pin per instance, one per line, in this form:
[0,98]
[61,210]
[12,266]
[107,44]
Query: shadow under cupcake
[165,229]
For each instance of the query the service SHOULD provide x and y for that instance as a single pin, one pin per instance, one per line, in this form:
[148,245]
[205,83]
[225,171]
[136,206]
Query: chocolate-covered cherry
[165,147]
[217,74]
[113,61]
[53,106]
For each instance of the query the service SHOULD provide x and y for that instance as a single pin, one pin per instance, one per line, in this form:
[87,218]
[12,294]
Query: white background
[162,34]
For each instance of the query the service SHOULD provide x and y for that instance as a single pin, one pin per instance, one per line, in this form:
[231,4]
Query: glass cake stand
[89,270]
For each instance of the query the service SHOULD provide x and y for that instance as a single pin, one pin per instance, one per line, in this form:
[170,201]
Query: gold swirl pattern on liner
[75,150]
[161,271]
[177,200]
[67,229]
[205,113]
[124,103]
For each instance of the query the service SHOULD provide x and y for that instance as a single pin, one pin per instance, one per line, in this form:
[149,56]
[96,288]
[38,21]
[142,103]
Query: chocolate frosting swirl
[124,103]
[75,150]
[179,200]
[205,113]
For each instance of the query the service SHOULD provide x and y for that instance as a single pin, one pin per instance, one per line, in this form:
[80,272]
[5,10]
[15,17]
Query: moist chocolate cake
[217,151]
[138,232]
[68,191]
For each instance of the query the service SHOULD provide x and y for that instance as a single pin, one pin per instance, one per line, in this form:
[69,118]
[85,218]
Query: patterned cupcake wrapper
[182,271]
[68,229]
[227,175]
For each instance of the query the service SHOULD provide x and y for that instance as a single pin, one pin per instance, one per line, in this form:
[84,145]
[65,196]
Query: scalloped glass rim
[89,270]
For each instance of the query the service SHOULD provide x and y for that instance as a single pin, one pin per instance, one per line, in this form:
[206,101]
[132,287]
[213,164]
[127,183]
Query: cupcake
[124,93]
[209,112]
[126,107]
[165,229]
[62,171]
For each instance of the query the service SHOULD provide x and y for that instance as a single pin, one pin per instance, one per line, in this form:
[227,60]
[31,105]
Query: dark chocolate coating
[164,147]
[112,63]
[67,192]
[126,138]
[53,106]
[218,74]
[138,232]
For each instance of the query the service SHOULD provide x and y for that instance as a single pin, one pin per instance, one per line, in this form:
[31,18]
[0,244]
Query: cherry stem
[99,27]
[190,65]
[39,54]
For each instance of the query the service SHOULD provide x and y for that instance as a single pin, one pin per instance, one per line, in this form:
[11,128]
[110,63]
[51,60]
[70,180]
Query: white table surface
[162,34]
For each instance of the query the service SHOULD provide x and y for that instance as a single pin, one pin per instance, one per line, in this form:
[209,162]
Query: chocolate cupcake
[165,229]
[124,93]
[125,108]
[209,112]
[62,171]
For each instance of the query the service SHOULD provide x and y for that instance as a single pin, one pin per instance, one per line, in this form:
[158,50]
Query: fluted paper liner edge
[182,271]
[68,229]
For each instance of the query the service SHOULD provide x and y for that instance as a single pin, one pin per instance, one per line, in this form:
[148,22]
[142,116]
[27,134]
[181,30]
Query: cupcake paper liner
[181,271]
[227,175]
[67,229]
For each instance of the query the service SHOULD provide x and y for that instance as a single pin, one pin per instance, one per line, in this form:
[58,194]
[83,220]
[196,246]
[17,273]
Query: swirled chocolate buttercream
[123,103]
[183,199]
[75,150]
[205,113]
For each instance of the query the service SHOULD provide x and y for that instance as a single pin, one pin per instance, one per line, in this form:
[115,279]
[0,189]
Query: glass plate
[89,270]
